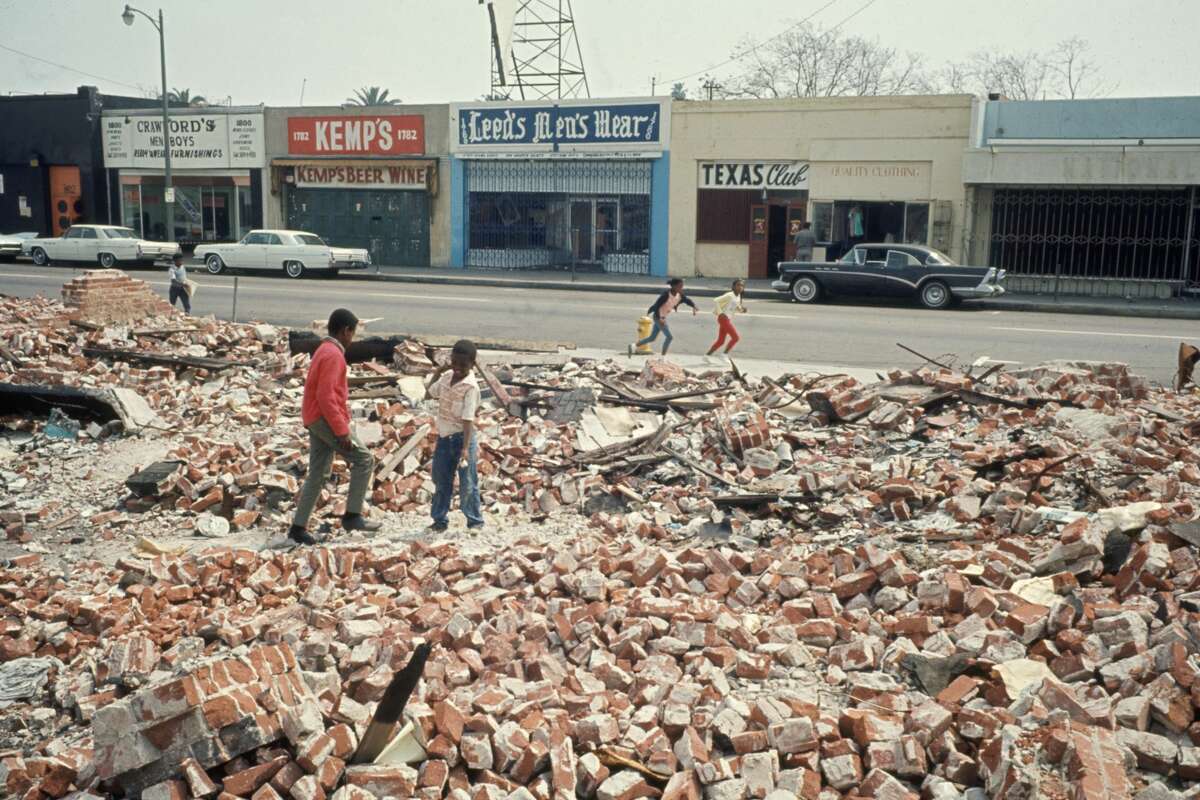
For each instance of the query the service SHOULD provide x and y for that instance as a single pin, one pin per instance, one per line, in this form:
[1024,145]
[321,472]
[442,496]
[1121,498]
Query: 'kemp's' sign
[623,127]
[354,135]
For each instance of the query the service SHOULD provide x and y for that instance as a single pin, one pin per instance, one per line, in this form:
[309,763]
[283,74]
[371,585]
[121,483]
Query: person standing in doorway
[325,412]
[457,394]
[667,302]
[179,288]
[725,307]
[805,240]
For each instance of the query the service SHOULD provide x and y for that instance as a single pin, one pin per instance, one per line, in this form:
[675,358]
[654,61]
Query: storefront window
[583,229]
[206,209]
[822,225]
[131,207]
[916,223]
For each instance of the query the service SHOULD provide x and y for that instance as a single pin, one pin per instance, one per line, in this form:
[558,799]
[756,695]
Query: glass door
[582,244]
[607,228]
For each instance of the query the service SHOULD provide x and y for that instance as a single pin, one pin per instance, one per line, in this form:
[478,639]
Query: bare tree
[1078,75]
[1066,71]
[809,62]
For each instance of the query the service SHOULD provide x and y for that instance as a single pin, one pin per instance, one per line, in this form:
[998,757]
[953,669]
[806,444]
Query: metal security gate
[1087,232]
[585,215]
[392,225]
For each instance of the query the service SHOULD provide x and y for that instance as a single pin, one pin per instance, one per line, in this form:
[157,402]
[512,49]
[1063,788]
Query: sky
[430,51]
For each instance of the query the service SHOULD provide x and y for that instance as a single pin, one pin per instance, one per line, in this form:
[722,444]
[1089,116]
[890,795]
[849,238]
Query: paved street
[852,335]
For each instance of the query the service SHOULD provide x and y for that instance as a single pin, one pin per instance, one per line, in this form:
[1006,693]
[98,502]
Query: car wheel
[805,290]
[294,269]
[108,260]
[214,264]
[39,257]
[935,294]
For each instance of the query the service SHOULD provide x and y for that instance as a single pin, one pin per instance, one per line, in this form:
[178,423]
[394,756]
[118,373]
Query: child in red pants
[726,306]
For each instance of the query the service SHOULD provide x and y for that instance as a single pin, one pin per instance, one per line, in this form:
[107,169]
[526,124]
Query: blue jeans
[659,325]
[445,460]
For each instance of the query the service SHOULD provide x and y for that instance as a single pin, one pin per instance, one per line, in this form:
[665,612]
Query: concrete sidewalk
[756,289]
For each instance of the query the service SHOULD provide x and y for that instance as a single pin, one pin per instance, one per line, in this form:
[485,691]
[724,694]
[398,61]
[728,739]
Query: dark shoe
[302,536]
[438,527]
[357,522]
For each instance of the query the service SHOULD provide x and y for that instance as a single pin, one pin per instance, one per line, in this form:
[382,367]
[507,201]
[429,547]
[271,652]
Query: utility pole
[653,84]
[710,86]
[168,189]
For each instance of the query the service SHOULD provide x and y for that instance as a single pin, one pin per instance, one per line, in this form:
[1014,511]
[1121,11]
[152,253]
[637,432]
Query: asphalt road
[841,334]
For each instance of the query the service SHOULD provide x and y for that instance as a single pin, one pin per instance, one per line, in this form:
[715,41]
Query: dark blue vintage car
[889,270]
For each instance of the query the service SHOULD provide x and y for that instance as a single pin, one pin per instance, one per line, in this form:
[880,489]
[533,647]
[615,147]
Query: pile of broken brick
[938,585]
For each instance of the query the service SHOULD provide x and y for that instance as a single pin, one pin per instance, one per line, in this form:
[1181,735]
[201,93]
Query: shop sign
[872,180]
[355,135]
[779,175]
[198,141]
[365,175]
[625,128]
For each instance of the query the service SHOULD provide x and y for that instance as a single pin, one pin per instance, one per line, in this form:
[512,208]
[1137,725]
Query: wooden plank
[162,359]
[389,464]
[696,465]
[391,706]
[375,394]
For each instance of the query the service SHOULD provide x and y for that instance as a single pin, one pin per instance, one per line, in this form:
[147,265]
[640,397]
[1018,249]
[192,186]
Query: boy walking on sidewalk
[457,394]
[326,414]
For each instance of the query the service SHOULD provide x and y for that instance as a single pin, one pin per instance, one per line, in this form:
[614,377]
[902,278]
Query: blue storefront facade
[569,185]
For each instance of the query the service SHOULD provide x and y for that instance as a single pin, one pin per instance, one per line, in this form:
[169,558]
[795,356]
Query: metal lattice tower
[545,61]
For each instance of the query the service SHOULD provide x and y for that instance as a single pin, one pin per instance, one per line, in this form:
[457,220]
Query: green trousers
[322,446]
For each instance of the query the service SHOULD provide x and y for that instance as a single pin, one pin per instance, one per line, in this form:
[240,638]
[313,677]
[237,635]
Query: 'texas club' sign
[571,127]
[355,135]
[781,175]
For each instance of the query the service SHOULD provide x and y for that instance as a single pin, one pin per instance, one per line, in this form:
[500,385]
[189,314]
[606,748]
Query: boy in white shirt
[725,307]
[457,394]
[179,289]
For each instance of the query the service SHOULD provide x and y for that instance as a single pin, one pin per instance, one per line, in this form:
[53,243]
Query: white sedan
[294,252]
[106,245]
[10,244]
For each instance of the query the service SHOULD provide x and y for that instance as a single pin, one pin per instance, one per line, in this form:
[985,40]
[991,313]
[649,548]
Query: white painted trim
[1189,142]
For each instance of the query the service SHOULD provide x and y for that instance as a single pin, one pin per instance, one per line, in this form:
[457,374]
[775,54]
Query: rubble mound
[110,295]
[939,585]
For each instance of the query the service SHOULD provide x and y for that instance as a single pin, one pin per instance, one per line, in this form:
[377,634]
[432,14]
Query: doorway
[776,238]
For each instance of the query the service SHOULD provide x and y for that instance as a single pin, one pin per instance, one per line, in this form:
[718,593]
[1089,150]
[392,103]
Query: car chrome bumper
[780,285]
[10,249]
[349,264]
[983,290]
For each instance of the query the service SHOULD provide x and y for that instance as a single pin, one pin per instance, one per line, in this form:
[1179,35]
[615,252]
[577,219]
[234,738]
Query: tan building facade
[746,175]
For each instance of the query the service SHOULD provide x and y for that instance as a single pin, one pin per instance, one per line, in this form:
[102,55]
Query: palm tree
[184,97]
[372,96]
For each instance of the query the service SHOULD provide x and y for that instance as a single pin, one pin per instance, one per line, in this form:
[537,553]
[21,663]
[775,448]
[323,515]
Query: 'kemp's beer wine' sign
[618,128]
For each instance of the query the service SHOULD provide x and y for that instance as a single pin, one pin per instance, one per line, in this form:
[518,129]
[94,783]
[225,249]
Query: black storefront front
[51,161]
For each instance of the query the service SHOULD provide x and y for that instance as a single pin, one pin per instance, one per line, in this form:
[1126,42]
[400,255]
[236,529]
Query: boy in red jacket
[326,414]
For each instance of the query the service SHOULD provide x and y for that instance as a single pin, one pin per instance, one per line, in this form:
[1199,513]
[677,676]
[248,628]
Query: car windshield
[938,257]
[308,238]
[120,233]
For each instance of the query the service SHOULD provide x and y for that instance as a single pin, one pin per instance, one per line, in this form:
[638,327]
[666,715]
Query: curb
[1035,304]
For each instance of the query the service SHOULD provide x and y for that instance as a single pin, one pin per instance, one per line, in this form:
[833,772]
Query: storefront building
[216,171]
[363,177]
[1087,196]
[572,185]
[746,174]
[52,161]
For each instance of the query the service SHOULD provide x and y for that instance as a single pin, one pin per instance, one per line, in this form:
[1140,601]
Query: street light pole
[168,190]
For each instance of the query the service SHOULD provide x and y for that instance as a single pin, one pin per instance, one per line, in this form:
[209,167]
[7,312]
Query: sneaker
[357,522]
[438,527]
[302,536]
[476,526]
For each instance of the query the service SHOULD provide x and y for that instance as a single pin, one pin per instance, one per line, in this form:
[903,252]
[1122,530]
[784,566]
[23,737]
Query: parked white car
[106,245]
[10,244]
[294,252]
